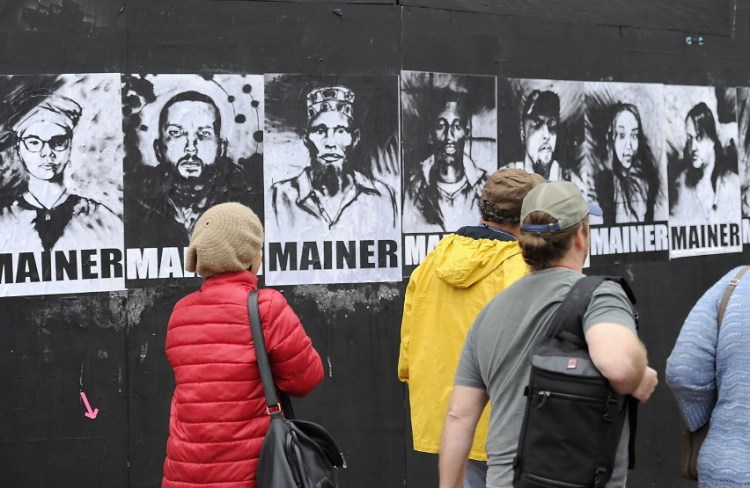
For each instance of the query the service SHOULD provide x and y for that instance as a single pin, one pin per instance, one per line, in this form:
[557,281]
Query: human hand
[647,385]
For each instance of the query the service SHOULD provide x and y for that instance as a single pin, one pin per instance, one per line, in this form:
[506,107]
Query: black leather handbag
[295,453]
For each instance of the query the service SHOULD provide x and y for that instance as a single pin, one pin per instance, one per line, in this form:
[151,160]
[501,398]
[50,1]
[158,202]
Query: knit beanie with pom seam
[227,238]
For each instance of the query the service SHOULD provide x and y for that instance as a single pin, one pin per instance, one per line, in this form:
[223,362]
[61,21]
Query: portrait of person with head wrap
[47,215]
[331,192]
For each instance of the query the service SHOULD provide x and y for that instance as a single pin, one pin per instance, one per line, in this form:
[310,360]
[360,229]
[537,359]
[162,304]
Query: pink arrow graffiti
[89,413]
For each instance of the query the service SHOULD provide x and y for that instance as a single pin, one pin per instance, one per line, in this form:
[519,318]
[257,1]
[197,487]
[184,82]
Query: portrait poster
[191,142]
[624,152]
[332,179]
[743,121]
[449,134]
[703,180]
[61,153]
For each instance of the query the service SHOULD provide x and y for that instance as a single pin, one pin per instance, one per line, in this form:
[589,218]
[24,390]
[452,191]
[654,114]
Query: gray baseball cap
[561,200]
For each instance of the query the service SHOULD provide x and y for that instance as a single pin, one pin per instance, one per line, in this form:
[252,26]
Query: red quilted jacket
[218,417]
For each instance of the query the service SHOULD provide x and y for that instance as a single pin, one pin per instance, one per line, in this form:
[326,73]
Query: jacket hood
[462,261]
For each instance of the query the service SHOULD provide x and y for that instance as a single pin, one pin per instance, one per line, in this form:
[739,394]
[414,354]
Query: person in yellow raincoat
[445,293]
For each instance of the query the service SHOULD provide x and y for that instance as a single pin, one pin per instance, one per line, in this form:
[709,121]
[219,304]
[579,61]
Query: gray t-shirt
[495,357]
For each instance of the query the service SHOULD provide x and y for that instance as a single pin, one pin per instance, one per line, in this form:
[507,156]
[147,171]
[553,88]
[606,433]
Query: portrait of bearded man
[330,193]
[193,173]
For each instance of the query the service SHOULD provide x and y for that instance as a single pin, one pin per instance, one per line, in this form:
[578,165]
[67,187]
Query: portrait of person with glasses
[47,215]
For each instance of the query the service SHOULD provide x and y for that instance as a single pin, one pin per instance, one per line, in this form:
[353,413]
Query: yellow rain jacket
[445,294]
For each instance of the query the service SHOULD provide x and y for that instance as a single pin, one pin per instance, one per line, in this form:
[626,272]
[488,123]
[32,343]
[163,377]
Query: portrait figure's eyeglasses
[57,143]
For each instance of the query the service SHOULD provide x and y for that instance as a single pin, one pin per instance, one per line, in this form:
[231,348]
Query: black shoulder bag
[573,418]
[295,453]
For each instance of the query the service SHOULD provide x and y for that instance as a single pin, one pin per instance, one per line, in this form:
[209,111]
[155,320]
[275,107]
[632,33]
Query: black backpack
[573,418]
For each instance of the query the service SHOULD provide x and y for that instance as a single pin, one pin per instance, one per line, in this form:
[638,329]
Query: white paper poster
[332,179]
[61,148]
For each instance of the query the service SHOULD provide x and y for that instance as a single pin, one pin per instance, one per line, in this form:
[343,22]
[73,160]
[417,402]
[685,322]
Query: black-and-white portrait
[702,154]
[541,129]
[704,185]
[624,150]
[61,185]
[332,173]
[191,142]
[743,120]
[449,132]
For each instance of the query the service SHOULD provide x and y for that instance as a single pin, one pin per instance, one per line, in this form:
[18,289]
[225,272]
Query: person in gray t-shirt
[493,365]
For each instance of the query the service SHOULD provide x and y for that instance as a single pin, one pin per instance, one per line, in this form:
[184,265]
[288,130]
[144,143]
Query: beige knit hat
[227,238]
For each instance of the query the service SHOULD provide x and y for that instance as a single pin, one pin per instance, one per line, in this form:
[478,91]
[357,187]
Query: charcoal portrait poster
[703,180]
[449,133]
[332,179]
[61,154]
[624,150]
[541,129]
[191,142]
[743,121]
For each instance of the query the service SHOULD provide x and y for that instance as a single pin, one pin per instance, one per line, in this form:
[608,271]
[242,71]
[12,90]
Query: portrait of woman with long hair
[707,185]
[629,187]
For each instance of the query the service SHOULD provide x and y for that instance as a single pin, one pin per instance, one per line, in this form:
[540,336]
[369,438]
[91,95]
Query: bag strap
[566,324]
[269,387]
[728,293]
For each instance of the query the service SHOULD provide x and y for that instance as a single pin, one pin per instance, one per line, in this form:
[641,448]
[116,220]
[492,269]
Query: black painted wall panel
[52,350]
[697,16]
[354,329]
[257,37]
[535,48]
[151,381]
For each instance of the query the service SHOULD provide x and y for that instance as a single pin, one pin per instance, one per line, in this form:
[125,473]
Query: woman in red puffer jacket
[218,416]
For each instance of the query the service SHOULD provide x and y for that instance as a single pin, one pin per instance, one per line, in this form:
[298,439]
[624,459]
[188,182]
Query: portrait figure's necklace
[47,210]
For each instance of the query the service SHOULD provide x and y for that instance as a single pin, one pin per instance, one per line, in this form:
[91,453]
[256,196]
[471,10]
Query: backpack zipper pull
[541,398]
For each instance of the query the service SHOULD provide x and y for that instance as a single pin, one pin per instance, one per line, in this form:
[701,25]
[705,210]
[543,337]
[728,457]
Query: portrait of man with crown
[337,193]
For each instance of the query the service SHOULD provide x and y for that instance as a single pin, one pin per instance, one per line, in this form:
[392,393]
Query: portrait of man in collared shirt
[331,186]
[332,177]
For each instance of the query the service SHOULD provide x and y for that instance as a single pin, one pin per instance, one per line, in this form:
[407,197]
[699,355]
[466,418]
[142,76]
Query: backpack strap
[567,322]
